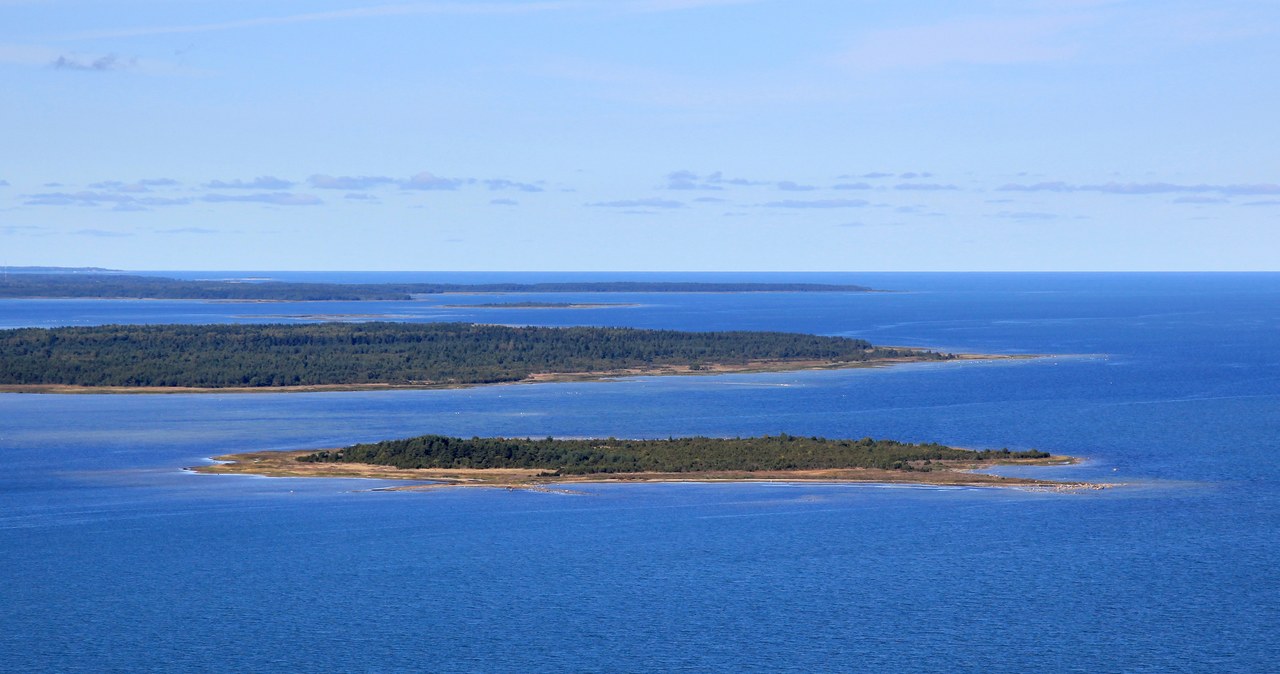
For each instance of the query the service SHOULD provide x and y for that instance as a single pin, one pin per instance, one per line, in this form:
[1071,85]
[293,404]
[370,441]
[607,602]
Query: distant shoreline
[135,286]
[542,378]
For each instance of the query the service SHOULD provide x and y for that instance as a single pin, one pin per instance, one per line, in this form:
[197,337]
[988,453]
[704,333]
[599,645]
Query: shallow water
[116,559]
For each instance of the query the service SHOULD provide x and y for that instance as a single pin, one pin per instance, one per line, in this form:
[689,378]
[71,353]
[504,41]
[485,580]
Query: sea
[115,558]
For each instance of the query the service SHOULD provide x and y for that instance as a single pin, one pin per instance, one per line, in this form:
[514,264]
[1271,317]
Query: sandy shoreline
[672,370]
[953,474]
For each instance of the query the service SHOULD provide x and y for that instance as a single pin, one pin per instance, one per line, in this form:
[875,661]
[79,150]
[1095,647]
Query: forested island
[526,462]
[284,357]
[128,286]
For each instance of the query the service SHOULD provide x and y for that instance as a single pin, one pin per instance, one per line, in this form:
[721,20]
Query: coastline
[954,474]
[540,378]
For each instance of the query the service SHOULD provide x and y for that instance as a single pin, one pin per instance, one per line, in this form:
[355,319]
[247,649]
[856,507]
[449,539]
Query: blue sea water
[114,559]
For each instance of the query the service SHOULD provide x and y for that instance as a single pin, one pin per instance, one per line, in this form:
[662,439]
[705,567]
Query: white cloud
[651,202]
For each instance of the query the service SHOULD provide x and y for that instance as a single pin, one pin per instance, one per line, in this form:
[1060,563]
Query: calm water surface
[116,560]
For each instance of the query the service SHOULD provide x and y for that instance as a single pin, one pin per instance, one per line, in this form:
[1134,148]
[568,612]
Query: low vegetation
[673,455]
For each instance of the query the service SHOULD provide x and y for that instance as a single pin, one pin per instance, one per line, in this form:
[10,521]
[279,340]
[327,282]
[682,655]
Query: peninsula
[236,357]
[536,463]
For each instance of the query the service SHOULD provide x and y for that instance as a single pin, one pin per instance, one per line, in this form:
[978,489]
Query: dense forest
[123,286]
[220,356]
[673,455]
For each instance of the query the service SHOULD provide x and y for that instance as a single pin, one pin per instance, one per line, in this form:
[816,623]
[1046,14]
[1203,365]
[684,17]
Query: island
[292,357]
[134,286]
[539,463]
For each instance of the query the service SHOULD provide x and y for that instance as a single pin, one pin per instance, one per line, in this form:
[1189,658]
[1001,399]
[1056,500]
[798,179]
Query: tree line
[672,455]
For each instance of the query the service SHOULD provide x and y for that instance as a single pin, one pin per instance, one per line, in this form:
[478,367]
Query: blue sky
[641,135]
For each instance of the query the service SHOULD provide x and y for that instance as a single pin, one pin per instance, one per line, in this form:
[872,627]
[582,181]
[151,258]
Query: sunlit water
[115,559]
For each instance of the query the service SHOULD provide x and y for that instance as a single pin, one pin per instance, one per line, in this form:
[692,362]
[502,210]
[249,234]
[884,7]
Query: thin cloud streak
[983,41]
[328,182]
[688,180]
[793,186]
[101,233]
[1025,215]
[273,198]
[818,203]
[122,202]
[336,15]
[259,183]
[503,184]
[925,187]
[406,9]
[1144,188]
[639,203]
[187,230]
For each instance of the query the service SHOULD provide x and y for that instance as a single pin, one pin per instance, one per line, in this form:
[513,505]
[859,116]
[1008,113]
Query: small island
[538,463]
[380,355]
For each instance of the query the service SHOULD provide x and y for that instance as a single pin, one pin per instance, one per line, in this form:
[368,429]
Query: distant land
[131,286]
[538,463]
[54,270]
[159,358]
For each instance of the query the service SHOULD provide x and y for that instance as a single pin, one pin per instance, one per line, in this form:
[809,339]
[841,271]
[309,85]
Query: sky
[641,135]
